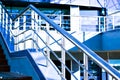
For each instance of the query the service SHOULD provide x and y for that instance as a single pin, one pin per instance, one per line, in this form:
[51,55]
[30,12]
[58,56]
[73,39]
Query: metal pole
[113,21]
[48,44]
[85,62]
[24,28]
[63,56]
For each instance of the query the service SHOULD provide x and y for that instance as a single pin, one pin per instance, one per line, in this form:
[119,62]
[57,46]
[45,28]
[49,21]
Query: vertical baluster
[24,28]
[10,29]
[104,28]
[86,67]
[33,26]
[113,21]
[60,21]
[39,28]
[47,42]
[99,24]
[39,23]
[16,33]
[0,17]
[63,56]
[85,62]
[36,29]
[3,21]
[6,19]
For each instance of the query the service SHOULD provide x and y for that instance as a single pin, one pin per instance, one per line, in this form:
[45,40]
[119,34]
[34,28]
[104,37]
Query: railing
[6,25]
[30,29]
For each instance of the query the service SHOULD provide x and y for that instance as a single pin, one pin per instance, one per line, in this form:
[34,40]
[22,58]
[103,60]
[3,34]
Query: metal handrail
[103,64]
[50,50]
[41,50]
[56,56]
[56,41]
[48,59]
[58,71]
[69,53]
[5,10]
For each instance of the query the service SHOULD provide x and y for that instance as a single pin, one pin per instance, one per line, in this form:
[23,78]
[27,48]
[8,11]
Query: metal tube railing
[103,64]
[22,41]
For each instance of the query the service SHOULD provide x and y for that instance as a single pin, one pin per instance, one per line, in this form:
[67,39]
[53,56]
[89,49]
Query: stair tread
[1,51]
[3,62]
[11,75]
[4,68]
[5,73]
[2,57]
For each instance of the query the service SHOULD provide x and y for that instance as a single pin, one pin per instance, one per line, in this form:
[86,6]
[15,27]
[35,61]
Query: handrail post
[104,23]
[33,26]
[63,56]
[113,17]
[99,28]
[85,61]
[16,32]
[86,67]
[24,27]
[6,22]
[36,29]
[3,22]
[0,17]
[48,44]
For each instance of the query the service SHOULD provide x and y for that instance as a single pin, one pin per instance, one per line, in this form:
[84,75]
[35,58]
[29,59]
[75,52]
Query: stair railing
[46,46]
[6,24]
[103,64]
[35,32]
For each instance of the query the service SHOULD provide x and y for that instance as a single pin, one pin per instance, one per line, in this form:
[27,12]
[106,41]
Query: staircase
[5,73]
[35,27]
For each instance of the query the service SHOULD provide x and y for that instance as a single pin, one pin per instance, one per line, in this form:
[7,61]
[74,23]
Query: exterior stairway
[5,73]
